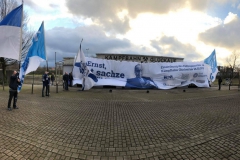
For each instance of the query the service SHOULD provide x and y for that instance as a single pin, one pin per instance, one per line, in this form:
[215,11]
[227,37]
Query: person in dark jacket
[219,83]
[46,82]
[52,78]
[65,79]
[13,86]
[70,79]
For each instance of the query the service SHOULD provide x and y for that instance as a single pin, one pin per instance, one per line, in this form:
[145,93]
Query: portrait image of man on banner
[139,81]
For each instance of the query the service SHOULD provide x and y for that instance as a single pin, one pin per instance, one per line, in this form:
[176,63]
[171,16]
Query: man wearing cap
[46,82]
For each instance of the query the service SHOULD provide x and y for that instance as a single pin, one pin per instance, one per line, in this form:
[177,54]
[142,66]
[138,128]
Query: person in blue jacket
[46,83]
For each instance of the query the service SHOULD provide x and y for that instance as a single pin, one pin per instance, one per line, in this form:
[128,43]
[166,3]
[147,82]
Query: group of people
[15,82]
[46,82]
[67,81]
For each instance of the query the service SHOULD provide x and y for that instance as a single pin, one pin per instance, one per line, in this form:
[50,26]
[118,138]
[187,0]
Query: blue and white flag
[35,55]
[81,71]
[211,61]
[10,34]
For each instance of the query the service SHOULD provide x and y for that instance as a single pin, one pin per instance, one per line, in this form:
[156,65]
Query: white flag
[81,71]
[10,34]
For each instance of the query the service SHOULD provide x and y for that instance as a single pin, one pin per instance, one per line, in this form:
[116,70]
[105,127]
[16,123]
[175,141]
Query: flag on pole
[10,34]
[35,55]
[81,71]
[211,61]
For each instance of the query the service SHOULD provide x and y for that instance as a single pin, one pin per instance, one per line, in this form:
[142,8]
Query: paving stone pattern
[124,124]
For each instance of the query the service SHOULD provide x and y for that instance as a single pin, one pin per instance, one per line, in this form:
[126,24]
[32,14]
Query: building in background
[68,61]
[68,64]
[138,58]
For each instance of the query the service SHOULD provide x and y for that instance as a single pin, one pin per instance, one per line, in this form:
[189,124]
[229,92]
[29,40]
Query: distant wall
[67,69]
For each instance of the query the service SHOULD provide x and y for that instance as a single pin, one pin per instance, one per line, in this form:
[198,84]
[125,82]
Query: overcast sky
[189,29]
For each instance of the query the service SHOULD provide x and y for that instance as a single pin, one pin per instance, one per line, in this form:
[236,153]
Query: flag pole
[77,53]
[45,54]
[81,41]
[80,46]
[56,78]
[45,45]
[83,78]
[33,82]
[83,81]
[20,50]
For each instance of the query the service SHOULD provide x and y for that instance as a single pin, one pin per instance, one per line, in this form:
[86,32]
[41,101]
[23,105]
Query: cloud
[30,3]
[65,41]
[54,6]
[170,46]
[109,8]
[238,7]
[198,5]
[184,25]
[226,35]
[43,6]
[230,18]
[101,12]
[105,12]
[110,26]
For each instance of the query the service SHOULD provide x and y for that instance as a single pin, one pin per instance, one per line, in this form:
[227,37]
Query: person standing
[219,83]
[70,79]
[13,86]
[46,82]
[52,78]
[65,79]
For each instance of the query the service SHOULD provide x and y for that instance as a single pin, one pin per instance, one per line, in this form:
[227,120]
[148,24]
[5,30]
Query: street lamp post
[56,78]
[56,67]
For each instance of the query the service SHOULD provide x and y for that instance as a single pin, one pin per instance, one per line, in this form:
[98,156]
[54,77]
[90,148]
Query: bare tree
[233,64]
[7,6]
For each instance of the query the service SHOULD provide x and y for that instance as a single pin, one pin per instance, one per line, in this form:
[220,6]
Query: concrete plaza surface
[201,123]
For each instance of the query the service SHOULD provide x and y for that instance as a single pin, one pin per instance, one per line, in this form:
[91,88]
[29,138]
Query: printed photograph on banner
[139,81]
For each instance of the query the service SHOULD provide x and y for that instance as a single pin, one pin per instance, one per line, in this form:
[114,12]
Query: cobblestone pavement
[200,123]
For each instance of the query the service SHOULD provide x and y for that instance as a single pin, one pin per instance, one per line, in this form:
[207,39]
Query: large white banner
[145,75]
